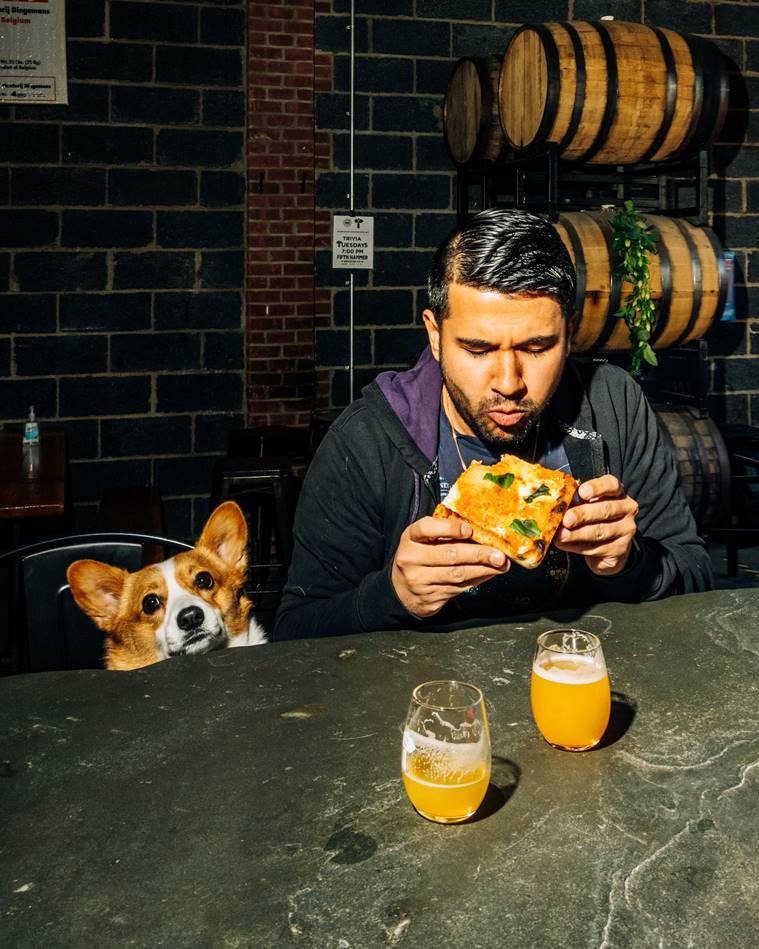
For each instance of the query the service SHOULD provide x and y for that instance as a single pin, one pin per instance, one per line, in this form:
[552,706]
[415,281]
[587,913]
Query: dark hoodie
[376,472]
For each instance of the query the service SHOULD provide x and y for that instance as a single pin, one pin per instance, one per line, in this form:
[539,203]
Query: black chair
[51,632]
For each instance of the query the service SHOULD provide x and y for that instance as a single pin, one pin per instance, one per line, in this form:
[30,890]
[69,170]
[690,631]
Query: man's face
[501,358]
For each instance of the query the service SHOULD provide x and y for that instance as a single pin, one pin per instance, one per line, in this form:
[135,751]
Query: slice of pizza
[512,505]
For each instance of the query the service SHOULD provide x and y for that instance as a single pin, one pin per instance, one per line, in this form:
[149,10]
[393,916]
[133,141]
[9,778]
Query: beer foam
[569,669]
[460,756]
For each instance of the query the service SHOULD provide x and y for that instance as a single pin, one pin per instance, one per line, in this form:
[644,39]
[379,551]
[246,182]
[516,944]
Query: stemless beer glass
[570,693]
[446,751]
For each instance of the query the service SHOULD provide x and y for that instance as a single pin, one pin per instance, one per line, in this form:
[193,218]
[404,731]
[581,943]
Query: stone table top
[253,797]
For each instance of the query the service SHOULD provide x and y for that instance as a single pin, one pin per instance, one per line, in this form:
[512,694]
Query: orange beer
[445,759]
[445,783]
[570,692]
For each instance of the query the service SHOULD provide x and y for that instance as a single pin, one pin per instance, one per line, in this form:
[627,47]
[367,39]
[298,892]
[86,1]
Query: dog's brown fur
[113,598]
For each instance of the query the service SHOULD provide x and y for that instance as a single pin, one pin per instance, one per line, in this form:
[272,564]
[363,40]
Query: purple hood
[414,396]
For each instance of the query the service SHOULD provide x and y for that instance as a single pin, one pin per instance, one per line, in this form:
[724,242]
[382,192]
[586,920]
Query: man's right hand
[436,561]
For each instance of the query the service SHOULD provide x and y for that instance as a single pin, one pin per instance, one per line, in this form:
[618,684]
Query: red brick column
[281,156]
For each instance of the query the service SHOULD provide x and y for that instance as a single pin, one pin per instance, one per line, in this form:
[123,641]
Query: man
[495,378]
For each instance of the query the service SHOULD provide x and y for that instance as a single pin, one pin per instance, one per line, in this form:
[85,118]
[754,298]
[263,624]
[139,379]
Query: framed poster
[33,52]
[352,242]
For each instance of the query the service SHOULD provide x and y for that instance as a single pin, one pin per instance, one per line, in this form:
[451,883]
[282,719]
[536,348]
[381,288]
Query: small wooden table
[38,494]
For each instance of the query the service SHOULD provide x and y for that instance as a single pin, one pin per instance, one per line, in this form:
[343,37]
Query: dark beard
[496,441]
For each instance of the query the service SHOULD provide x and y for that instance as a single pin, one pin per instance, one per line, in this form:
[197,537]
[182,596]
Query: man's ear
[433,332]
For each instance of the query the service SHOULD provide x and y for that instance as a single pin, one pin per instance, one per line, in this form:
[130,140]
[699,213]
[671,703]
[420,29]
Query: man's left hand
[601,527]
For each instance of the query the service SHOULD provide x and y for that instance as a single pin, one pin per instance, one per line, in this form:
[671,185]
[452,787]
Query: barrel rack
[545,183]
[681,378]
[678,390]
[508,125]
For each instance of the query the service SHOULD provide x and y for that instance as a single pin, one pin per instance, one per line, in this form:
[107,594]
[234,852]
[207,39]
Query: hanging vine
[633,242]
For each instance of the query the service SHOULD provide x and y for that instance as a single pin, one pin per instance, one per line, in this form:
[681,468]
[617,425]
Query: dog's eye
[150,603]
[204,581]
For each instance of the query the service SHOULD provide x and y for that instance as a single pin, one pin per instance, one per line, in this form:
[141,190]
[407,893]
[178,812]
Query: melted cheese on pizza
[518,503]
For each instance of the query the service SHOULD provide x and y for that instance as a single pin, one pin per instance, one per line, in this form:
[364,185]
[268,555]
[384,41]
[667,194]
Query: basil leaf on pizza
[503,481]
[528,528]
[539,493]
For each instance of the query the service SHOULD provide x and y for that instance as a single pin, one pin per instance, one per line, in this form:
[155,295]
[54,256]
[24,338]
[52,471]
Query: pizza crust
[490,501]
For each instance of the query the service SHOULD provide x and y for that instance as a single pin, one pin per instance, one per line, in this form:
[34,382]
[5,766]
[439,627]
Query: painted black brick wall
[122,250]
[404,53]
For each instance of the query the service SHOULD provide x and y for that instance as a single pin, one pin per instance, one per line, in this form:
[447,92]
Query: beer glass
[445,759]
[570,693]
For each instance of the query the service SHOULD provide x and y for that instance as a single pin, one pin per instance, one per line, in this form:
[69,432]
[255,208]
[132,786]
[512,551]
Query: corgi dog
[189,604]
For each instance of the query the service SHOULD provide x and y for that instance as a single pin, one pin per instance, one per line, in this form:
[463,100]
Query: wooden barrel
[471,123]
[702,461]
[687,279]
[611,92]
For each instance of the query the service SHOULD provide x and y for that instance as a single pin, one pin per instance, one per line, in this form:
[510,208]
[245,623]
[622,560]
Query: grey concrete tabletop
[253,797]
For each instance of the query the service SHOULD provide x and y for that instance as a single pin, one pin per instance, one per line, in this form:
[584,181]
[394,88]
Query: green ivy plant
[633,243]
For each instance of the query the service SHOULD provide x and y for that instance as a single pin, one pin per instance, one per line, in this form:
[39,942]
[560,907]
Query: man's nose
[508,379]
[190,618]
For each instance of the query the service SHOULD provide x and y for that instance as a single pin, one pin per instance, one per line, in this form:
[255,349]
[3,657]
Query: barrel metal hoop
[612,94]
[724,96]
[580,268]
[446,101]
[696,49]
[615,288]
[723,462]
[580,80]
[553,90]
[698,451]
[479,138]
[720,258]
[482,67]
[698,283]
[715,94]
[697,445]
[665,303]
[670,97]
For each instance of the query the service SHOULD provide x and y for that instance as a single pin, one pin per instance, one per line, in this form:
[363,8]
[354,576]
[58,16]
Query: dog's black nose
[190,618]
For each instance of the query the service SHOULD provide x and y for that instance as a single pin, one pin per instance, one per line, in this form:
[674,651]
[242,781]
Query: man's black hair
[502,249]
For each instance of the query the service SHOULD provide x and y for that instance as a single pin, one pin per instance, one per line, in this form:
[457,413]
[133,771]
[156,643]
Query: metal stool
[742,527]
[266,489]
[269,441]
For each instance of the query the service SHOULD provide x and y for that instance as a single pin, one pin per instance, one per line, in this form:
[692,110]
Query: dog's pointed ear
[226,534]
[97,589]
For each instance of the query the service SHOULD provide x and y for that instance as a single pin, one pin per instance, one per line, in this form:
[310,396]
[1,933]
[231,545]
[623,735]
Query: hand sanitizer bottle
[31,429]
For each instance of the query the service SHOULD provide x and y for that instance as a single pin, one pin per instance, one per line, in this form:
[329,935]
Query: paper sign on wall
[33,52]
[352,242]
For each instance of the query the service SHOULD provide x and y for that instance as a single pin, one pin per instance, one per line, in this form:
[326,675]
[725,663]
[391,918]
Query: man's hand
[435,562]
[602,528]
